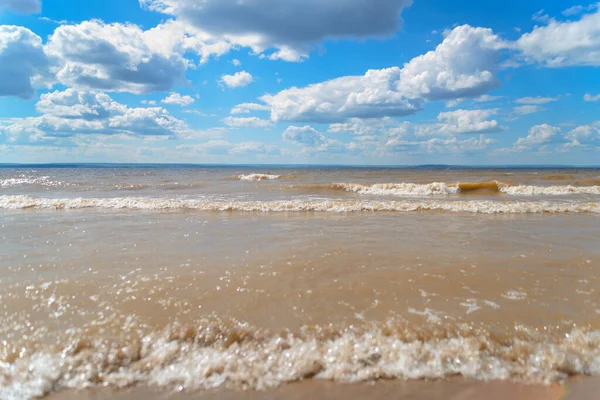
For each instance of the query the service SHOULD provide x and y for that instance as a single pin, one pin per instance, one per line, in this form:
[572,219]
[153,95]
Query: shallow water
[197,278]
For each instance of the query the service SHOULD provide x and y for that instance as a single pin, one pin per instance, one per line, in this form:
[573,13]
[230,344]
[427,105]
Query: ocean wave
[312,205]
[524,190]
[29,180]
[211,354]
[257,177]
[399,189]
[446,189]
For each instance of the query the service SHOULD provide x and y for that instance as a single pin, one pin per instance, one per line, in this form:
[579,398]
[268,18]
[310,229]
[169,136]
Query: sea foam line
[212,356]
[446,189]
[300,205]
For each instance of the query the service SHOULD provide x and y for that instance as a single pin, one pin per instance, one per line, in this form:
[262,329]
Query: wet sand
[455,389]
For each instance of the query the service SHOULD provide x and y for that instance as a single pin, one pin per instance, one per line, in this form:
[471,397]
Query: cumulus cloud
[536,100]
[584,136]
[463,65]
[72,112]
[246,108]
[239,79]
[249,122]
[290,27]
[539,137]
[304,135]
[589,97]
[118,57]
[561,44]
[23,63]
[22,6]
[462,122]
[178,99]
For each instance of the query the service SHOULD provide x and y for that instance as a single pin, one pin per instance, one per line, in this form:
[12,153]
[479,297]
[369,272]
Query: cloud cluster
[561,44]
[463,65]
[72,112]
[117,57]
[290,28]
[23,63]
[544,137]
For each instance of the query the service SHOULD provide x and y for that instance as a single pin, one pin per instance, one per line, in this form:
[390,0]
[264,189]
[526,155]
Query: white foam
[257,177]
[311,205]
[400,189]
[524,190]
[448,189]
[185,358]
[28,180]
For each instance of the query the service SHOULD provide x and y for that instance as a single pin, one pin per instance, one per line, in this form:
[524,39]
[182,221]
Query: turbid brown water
[189,280]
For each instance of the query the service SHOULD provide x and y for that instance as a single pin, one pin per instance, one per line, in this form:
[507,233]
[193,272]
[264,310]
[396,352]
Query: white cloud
[239,79]
[250,122]
[23,63]
[455,145]
[246,108]
[236,62]
[540,16]
[119,57]
[359,126]
[519,111]
[176,98]
[589,97]
[249,148]
[576,10]
[150,102]
[463,65]
[536,100]
[561,44]
[22,6]
[585,135]
[290,27]
[484,98]
[539,136]
[72,112]
[465,121]
[304,135]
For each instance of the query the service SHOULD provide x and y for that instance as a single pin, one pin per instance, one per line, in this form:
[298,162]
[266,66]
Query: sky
[355,82]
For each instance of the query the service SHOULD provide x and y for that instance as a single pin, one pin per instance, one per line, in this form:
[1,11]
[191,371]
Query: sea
[187,279]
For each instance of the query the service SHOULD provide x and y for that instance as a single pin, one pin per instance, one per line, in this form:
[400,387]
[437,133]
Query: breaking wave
[446,189]
[524,190]
[212,354]
[398,189]
[257,177]
[300,205]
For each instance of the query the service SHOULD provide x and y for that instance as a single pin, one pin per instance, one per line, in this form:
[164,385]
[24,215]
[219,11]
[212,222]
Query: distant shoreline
[289,166]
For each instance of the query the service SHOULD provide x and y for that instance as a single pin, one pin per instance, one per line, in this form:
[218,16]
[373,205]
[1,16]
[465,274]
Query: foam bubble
[311,205]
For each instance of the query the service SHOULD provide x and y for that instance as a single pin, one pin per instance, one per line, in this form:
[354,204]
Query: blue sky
[302,81]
